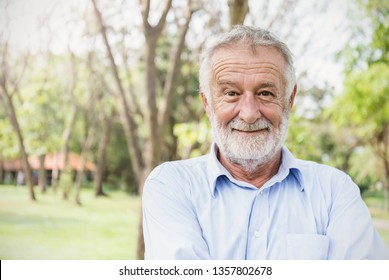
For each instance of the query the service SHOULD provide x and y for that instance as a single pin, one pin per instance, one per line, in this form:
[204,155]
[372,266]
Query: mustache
[240,124]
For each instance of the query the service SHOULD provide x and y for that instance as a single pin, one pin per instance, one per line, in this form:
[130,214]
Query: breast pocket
[306,247]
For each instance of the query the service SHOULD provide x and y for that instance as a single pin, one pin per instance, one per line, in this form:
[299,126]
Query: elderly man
[250,198]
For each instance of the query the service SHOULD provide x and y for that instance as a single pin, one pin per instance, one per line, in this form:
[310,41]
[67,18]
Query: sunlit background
[90,102]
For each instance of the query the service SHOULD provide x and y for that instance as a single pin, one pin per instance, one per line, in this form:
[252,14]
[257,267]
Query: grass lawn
[51,228]
[376,203]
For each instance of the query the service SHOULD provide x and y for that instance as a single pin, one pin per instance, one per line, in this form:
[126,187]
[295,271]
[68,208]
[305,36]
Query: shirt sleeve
[170,226]
[350,228]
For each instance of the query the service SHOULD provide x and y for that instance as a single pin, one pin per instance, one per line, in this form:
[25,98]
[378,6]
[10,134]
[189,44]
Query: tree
[238,10]
[9,88]
[364,103]
[102,155]
[40,115]
[156,118]
[365,108]
[102,113]
[69,122]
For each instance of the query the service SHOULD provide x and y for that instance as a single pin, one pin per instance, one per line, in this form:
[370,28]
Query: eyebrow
[267,85]
[225,82]
[262,85]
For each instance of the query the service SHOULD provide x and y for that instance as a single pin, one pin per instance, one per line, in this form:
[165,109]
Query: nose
[249,110]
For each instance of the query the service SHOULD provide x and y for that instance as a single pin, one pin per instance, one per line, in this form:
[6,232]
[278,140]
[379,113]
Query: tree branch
[162,20]
[134,101]
[145,11]
[171,79]
[281,11]
[129,125]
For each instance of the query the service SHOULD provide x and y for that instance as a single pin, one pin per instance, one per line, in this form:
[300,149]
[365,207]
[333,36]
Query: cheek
[274,115]
[225,113]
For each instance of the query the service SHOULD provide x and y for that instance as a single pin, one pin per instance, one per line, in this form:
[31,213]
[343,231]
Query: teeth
[250,130]
[240,125]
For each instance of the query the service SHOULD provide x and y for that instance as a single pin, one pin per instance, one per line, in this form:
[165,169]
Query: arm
[350,229]
[170,226]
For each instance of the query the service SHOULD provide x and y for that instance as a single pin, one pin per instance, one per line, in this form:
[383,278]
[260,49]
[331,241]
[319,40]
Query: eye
[231,93]
[265,93]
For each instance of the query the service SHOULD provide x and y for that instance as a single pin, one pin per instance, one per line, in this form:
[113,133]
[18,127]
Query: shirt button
[257,233]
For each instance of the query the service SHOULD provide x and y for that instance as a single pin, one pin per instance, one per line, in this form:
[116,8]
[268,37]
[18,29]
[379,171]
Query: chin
[249,165]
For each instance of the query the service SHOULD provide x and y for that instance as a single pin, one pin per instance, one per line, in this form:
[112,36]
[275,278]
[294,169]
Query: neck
[258,176]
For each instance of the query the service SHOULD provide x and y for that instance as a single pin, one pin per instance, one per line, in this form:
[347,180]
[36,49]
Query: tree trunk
[386,177]
[81,167]
[1,171]
[55,177]
[155,119]
[129,125]
[69,126]
[169,89]
[238,10]
[65,148]
[140,248]
[42,174]
[153,148]
[140,244]
[10,111]
[102,155]
[384,155]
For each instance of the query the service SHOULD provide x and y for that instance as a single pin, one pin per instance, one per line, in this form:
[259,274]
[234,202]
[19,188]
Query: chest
[241,223]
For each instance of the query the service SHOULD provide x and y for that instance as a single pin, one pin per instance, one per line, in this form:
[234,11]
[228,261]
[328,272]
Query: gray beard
[251,151]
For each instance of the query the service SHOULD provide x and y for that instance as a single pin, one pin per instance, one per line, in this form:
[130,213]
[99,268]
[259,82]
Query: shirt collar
[289,165]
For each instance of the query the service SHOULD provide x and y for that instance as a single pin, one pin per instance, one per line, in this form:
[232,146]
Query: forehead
[246,60]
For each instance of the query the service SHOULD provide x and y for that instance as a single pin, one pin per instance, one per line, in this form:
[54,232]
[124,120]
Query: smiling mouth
[266,129]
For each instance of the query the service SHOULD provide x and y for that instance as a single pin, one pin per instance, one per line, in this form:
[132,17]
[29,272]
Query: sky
[24,23]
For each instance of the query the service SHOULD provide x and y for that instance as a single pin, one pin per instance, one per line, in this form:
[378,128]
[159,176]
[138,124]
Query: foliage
[378,12]
[40,112]
[364,103]
[369,43]
[118,164]
[194,138]
[66,179]
[339,137]
[363,108]
[82,80]
[368,174]
[8,147]
[301,140]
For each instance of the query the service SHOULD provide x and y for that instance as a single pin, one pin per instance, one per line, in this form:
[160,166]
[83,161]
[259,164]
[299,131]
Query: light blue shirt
[195,209]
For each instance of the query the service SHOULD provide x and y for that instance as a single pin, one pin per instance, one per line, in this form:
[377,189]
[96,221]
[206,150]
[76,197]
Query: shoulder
[178,176]
[176,183]
[178,169]
[329,181]
[312,174]
[318,170]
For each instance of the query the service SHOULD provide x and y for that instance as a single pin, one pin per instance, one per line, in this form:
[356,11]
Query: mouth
[250,132]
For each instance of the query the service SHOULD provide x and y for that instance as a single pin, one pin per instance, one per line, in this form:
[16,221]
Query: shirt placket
[258,227]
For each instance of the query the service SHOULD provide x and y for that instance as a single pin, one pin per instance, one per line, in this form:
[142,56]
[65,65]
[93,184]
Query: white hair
[253,37]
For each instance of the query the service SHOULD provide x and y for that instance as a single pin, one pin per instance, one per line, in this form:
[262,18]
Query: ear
[292,96]
[205,103]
